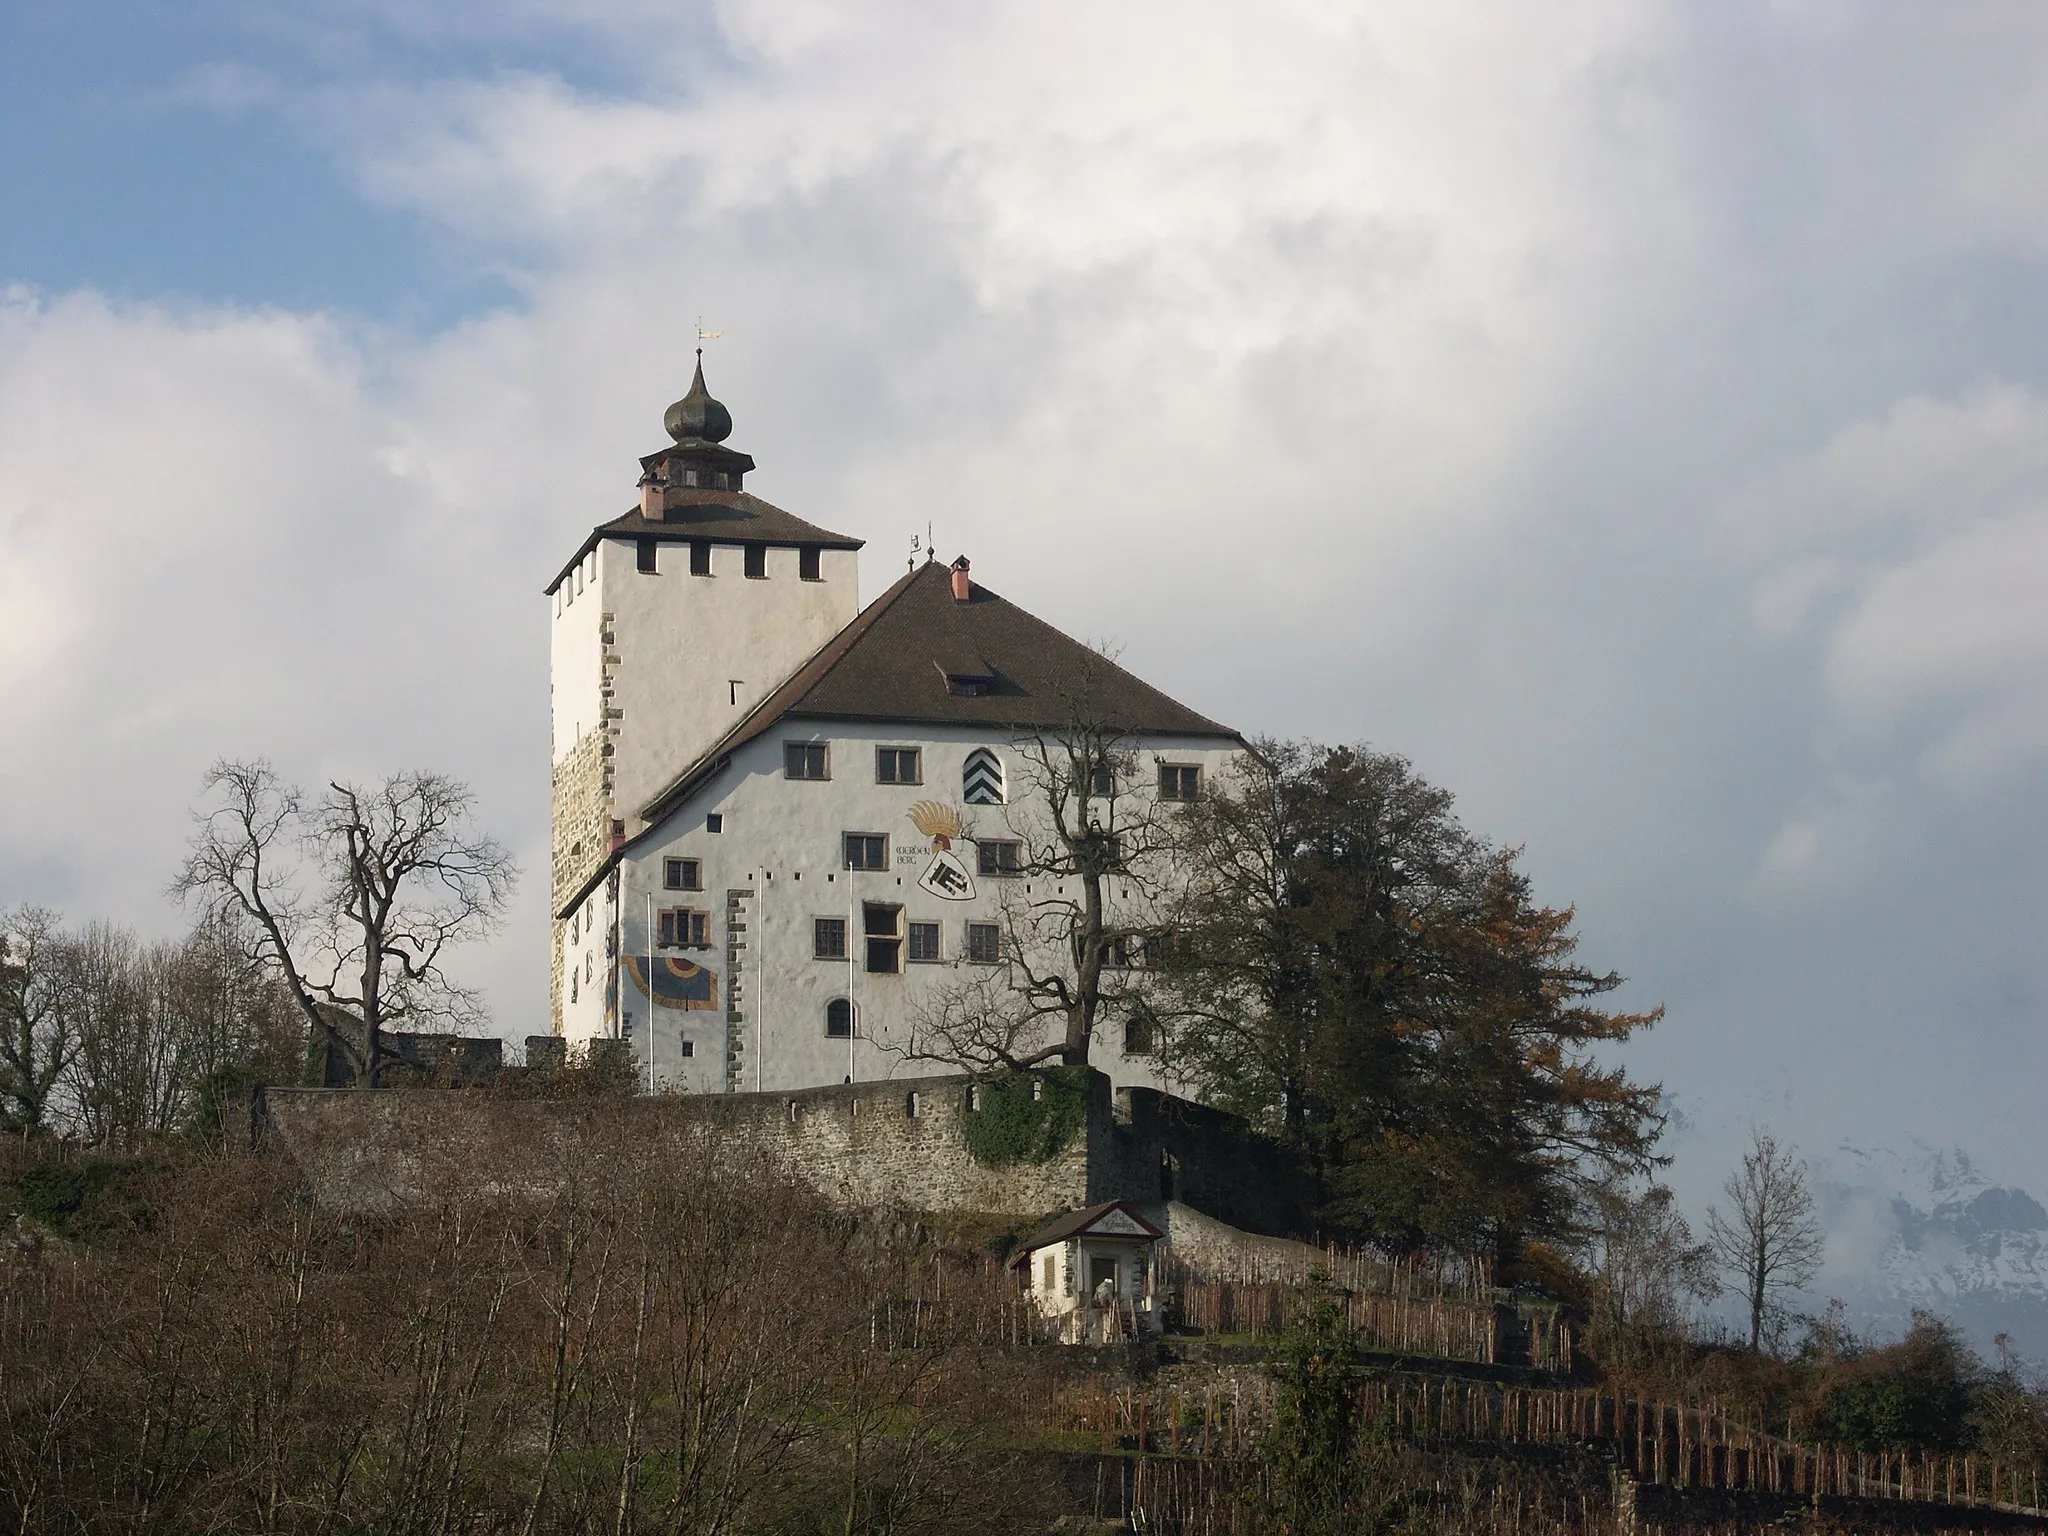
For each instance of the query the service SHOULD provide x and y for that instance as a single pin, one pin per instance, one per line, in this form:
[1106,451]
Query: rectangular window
[714,822]
[1116,954]
[867,850]
[700,557]
[924,941]
[1180,781]
[689,1047]
[682,874]
[685,928]
[882,927]
[998,858]
[828,938]
[807,563]
[1102,779]
[898,765]
[805,760]
[1137,1036]
[643,556]
[984,943]
[1161,950]
[757,561]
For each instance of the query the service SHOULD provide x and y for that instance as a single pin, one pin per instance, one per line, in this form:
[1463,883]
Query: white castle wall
[777,865]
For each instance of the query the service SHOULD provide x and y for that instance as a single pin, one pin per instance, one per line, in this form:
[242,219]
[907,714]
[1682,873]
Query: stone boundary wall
[894,1144]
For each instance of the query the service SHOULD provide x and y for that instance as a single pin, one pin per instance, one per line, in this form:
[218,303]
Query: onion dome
[697,417]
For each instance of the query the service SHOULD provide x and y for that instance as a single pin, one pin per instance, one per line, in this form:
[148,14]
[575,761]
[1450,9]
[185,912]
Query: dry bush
[641,1335]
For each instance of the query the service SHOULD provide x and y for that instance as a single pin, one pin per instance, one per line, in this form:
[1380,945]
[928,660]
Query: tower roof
[697,418]
[723,517]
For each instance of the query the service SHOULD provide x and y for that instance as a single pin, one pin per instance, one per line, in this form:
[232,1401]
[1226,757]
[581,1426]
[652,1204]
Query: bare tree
[124,1078]
[35,1044]
[1646,1266]
[1079,903]
[398,875]
[1770,1241]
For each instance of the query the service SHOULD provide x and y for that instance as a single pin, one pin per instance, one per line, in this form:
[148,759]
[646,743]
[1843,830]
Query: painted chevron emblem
[981,783]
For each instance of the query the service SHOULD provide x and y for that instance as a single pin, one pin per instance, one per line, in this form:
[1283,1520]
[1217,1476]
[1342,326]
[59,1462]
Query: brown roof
[724,517]
[893,663]
[1076,1223]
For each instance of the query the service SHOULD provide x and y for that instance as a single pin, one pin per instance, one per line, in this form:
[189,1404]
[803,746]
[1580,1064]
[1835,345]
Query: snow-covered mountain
[1915,1226]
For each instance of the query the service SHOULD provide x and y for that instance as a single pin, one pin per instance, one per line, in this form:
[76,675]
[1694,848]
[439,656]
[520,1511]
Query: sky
[1635,413]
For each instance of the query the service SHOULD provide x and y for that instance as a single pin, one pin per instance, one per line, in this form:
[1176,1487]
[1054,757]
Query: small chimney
[961,587]
[652,504]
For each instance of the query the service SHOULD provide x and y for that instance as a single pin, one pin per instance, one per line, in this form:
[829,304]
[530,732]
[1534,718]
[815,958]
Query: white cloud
[1376,374]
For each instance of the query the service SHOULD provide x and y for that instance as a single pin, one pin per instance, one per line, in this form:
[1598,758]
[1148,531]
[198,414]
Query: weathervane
[704,335]
[929,546]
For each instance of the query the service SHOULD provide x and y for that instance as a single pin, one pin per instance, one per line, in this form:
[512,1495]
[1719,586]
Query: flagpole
[650,989]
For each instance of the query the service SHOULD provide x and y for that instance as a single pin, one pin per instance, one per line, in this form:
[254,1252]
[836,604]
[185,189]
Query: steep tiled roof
[1077,1223]
[896,660]
[724,517]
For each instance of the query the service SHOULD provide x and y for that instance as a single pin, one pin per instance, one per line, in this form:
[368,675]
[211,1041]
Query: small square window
[828,938]
[984,943]
[689,1047]
[684,928]
[867,850]
[714,822]
[807,563]
[757,561]
[805,760]
[700,557]
[1160,950]
[1180,781]
[644,556]
[682,874]
[924,941]
[898,765]
[882,928]
[999,858]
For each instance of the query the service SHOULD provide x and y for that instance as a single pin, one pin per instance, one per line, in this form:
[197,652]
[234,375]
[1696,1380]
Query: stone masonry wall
[895,1144]
[582,813]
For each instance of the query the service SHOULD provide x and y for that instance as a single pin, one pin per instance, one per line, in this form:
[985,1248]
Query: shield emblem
[947,878]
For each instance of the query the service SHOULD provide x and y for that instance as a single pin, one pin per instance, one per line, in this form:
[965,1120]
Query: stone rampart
[894,1144]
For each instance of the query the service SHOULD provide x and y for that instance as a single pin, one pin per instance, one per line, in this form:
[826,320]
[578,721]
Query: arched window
[839,1019]
[981,782]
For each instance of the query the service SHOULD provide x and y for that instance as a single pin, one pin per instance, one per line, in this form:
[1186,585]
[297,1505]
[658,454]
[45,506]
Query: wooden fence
[1445,1327]
[1666,1444]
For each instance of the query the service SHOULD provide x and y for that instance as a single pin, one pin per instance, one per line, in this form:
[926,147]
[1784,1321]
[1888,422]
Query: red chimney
[961,588]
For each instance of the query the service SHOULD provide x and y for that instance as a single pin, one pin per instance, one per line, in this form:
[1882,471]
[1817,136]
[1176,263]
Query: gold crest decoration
[940,823]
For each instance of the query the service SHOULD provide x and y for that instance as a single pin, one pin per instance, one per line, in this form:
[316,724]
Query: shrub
[1016,1125]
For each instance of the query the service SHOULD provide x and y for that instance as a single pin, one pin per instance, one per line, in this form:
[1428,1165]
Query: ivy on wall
[1016,1125]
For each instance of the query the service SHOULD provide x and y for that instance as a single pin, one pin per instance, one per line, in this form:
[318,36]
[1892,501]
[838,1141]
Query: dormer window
[968,687]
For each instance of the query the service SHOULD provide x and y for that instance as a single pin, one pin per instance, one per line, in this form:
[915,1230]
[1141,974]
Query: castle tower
[668,625]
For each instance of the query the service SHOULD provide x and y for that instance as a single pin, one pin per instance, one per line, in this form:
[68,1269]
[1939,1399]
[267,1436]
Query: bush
[1016,1124]
[1914,1395]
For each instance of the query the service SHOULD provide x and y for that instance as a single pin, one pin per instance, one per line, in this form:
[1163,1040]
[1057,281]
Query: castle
[787,827]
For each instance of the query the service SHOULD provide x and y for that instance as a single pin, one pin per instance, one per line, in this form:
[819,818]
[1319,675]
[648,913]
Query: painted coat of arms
[945,877]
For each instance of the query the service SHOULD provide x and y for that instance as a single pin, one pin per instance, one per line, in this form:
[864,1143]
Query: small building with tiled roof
[784,824]
[1092,1271]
